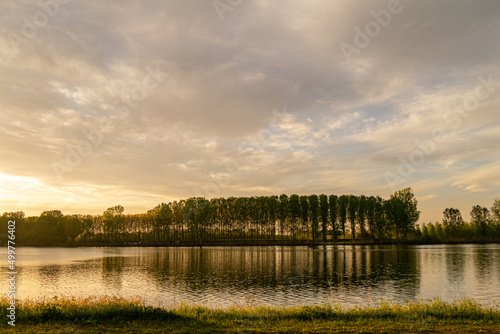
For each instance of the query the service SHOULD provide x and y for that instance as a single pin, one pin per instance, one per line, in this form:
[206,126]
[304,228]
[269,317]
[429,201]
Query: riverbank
[116,315]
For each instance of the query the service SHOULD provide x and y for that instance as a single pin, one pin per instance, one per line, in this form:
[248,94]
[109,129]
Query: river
[226,276]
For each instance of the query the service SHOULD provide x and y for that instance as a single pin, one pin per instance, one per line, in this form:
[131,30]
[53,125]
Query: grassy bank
[114,315]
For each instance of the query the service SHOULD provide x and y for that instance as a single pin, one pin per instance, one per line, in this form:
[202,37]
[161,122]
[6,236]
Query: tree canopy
[272,219]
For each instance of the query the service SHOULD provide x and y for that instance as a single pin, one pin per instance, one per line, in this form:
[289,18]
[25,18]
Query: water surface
[225,276]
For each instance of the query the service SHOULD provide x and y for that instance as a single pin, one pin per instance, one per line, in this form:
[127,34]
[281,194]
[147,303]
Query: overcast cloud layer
[141,102]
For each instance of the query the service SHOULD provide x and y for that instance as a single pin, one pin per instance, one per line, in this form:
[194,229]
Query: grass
[117,315]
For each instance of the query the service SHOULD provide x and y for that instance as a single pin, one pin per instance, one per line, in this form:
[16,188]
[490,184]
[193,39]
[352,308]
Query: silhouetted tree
[343,205]
[314,208]
[333,207]
[294,214]
[480,216]
[352,209]
[304,207]
[452,221]
[402,211]
[495,211]
[323,209]
[361,214]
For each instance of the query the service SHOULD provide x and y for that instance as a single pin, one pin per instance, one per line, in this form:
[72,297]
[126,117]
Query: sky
[142,102]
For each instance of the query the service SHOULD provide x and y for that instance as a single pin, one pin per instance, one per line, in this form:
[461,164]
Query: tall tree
[262,217]
[87,228]
[112,219]
[284,212]
[343,205]
[333,208]
[352,210]
[163,217]
[361,214]
[480,216]
[402,211]
[72,227]
[273,207]
[177,208]
[379,223]
[370,213]
[314,208]
[323,209]
[304,207]
[495,211]
[49,228]
[452,221]
[294,214]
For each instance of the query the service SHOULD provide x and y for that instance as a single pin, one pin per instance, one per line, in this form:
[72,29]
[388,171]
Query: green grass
[117,315]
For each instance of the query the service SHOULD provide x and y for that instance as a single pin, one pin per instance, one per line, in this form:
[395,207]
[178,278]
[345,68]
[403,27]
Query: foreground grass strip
[118,315]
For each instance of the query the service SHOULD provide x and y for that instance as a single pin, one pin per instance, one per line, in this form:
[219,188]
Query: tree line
[279,219]
[484,226]
[282,219]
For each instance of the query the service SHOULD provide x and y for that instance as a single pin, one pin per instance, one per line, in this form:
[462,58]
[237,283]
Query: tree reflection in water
[281,275]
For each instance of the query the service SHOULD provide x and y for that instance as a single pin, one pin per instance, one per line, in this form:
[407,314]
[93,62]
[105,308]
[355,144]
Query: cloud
[261,102]
[479,178]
